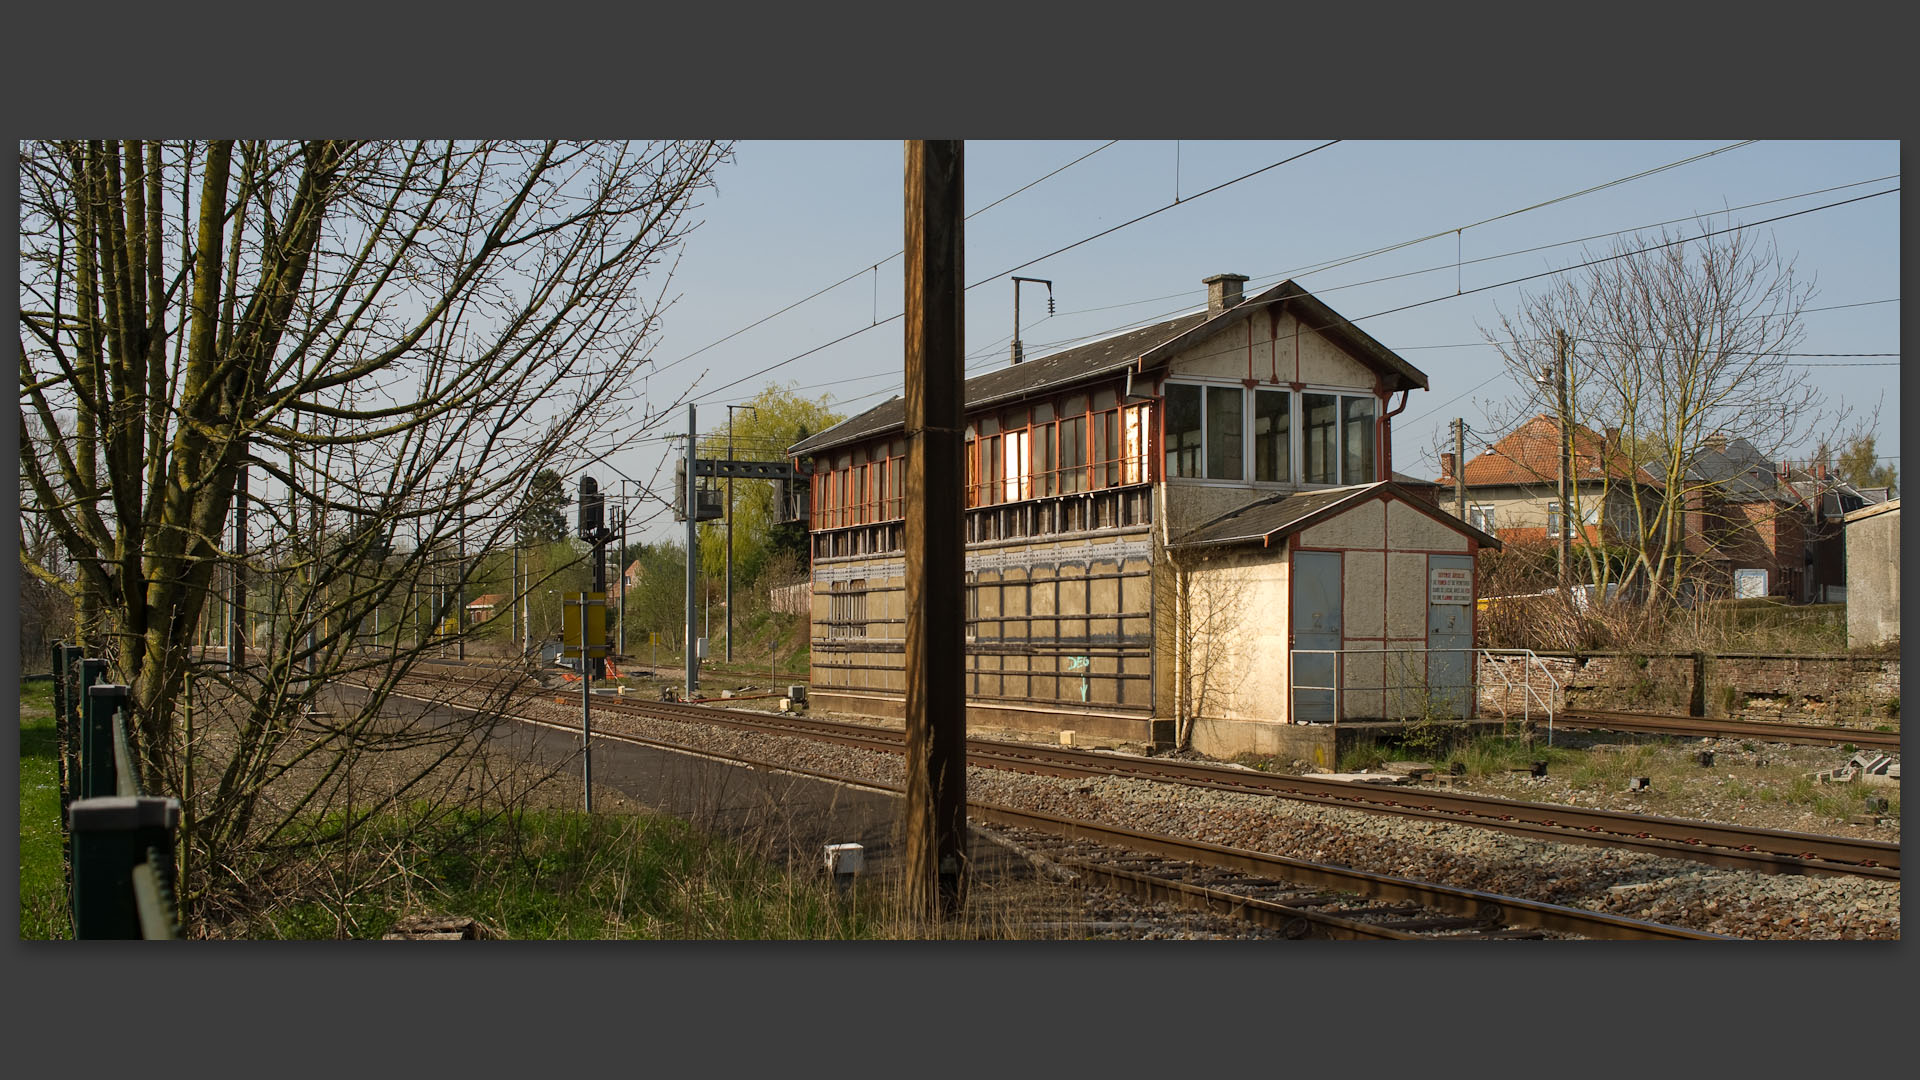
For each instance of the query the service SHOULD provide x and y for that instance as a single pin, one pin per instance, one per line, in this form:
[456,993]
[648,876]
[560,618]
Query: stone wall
[1829,689]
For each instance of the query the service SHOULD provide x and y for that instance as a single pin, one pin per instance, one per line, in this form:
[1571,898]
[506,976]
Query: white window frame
[1296,433]
[1568,528]
[1481,516]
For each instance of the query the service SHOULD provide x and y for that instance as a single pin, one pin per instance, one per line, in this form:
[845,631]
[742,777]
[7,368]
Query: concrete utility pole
[936,799]
[1564,450]
[1460,468]
[693,555]
[622,560]
[729,604]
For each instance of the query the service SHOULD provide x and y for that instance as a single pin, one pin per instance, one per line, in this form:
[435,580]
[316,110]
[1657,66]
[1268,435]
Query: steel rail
[1733,846]
[1482,908]
[1765,730]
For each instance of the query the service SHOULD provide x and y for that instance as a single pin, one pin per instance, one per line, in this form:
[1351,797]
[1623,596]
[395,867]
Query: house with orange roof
[1513,486]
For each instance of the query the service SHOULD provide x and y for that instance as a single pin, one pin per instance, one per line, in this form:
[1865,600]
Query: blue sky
[791,218]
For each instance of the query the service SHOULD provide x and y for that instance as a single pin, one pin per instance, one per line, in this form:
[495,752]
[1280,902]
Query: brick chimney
[1446,467]
[1223,291]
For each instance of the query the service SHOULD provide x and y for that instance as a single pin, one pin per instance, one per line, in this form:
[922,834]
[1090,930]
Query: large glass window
[1073,450]
[1045,461]
[991,465]
[1019,462]
[1106,448]
[1133,465]
[1183,430]
[1272,435]
[1225,455]
[1318,446]
[1357,433]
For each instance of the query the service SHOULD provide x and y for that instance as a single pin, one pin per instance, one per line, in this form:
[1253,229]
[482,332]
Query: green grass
[43,890]
[563,875]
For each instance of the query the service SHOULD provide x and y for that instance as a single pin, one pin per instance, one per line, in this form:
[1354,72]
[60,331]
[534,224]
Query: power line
[1330,264]
[1150,213]
[874,268]
[1320,267]
[1629,254]
[1022,266]
[1049,176]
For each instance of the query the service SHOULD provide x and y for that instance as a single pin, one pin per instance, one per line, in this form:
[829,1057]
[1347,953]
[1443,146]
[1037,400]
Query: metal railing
[1528,693]
[119,841]
[1421,688]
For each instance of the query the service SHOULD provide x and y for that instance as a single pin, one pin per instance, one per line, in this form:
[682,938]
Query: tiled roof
[1112,355]
[1531,455]
[1014,381]
[491,599]
[1282,515]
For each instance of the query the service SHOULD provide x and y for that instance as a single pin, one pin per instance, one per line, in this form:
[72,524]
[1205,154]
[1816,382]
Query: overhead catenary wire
[1329,264]
[1327,289]
[1343,260]
[1404,307]
[874,268]
[1022,266]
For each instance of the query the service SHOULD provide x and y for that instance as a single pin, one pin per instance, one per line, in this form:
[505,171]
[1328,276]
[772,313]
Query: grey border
[1018,72]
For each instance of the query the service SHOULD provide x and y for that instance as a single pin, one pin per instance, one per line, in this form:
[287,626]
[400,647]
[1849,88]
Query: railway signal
[583,628]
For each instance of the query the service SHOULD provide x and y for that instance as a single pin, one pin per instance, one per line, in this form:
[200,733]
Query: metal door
[1449,637]
[1316,625]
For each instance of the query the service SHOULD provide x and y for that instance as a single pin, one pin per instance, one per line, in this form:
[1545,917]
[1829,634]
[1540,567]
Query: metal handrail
[1526,698]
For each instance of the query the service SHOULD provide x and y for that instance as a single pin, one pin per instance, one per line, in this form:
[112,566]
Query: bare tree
[1207,599]
[1673,347]
[312,381]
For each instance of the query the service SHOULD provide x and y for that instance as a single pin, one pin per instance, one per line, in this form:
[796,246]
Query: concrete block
[845,859]
[1640,783]
[1066,738]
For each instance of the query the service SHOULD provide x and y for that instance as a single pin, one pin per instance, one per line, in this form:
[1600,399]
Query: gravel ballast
[1680,892]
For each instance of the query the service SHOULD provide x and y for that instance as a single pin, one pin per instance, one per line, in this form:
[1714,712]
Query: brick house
[1513,486]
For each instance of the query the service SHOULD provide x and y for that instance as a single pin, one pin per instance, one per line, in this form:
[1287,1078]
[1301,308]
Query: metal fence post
[96,734]
[112,838]
[112,714]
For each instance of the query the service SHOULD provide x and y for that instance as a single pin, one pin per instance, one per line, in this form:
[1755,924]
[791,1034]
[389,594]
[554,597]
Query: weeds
[566,875]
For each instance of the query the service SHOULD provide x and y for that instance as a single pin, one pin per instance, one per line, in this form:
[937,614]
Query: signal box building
[1184,533]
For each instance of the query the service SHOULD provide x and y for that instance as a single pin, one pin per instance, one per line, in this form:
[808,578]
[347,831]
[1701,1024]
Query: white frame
[1296,433]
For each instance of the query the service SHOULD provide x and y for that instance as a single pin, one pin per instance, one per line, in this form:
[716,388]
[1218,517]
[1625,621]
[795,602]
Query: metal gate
[1316,625]
[1449,632]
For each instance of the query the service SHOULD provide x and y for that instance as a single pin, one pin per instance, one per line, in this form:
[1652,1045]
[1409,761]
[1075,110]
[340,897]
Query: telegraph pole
[693,552]
[623,567]
[1564,450]
[936,799]
[1460,468]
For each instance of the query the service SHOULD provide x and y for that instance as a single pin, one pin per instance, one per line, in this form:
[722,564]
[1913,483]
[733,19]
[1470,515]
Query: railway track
[1765,730]
[1734,846]
[1296,897]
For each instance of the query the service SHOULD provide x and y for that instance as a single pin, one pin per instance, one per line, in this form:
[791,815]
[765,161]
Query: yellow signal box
[594,641]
